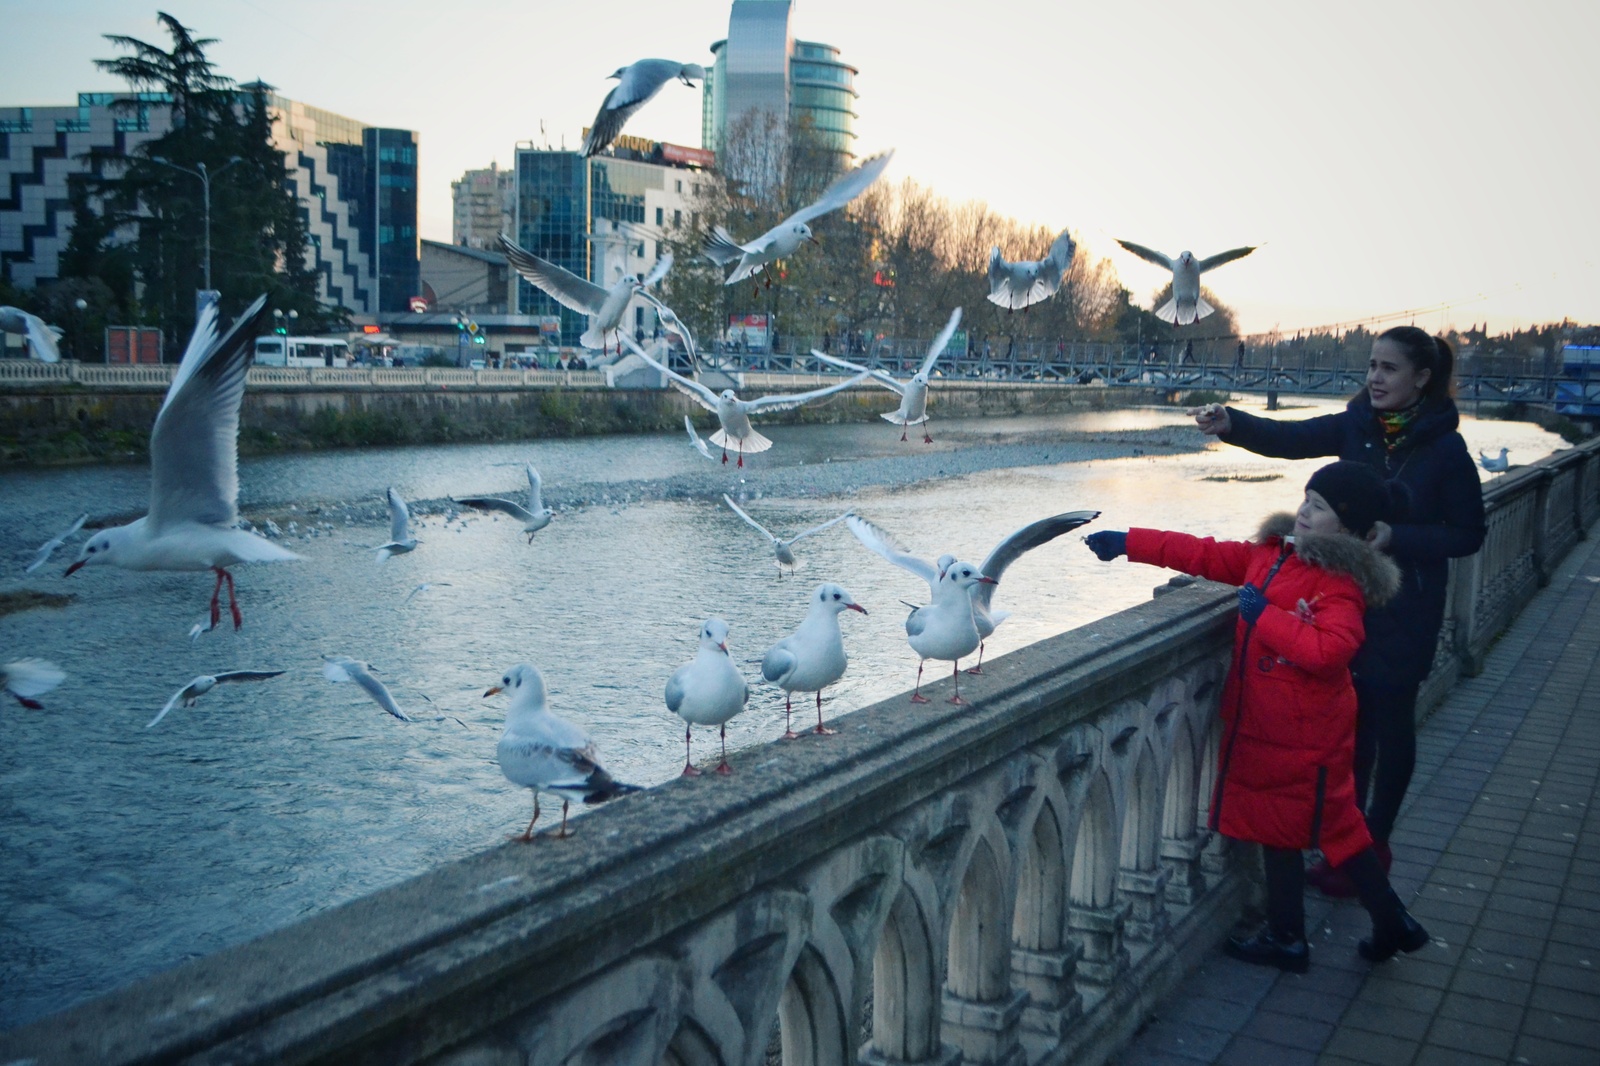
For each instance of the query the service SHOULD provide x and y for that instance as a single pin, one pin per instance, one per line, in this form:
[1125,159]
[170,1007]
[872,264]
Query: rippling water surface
[126,850]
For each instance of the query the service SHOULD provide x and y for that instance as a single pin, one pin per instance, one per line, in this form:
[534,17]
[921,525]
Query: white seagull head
[729,395]
[1186,258]
[803,231]
[836,599]
[524,684]
[714,634]
[944,563]
[98,548]
[965,575]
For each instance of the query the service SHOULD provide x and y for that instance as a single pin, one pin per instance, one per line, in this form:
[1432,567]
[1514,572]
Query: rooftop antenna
[543,135]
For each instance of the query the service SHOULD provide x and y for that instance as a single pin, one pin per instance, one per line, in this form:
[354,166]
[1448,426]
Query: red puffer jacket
[1284,776]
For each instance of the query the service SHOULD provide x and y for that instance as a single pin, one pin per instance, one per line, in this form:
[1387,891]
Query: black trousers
[1286,887]
[1386,752]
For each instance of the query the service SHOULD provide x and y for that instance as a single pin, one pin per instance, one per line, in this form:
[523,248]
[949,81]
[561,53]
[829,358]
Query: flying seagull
[607,308]
[734,413]
[26,678]
[400,538]
[913,409]
[193,523]
[697,440]
[782,240]
[1022,284]
[534,517]
[339,669]
[48,548]
[191,693]
[636,85]
[1186,306]
[781,549]
[41,338]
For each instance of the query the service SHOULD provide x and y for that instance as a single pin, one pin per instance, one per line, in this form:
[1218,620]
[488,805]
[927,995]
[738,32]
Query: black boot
[1266,948]
[1398,932]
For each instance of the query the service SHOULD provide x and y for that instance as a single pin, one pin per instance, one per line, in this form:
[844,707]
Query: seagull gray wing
[186,692]
[670,321]
[194,447]
[1149,255]
[721,248]
[696,439]
[399,517]
[658,271]
[879,541]
[535,490]
[765,532]
[844,189]
[819,529]
[30,677]
[374,688]
[941,342]
[1023,540]
[881,377]
[675,690]
[247,675]
[560,284]
[638,84]
[1062,249]
[41,339]
[785,403]
[707,398]
[915,622]
[494,503]
[1214,261]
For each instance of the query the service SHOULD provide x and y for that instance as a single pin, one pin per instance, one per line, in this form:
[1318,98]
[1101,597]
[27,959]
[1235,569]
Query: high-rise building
[763,81]
[356,184]
[484,203]
[603,217]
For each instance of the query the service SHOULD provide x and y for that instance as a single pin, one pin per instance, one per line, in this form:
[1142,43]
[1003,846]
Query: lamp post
[205,183]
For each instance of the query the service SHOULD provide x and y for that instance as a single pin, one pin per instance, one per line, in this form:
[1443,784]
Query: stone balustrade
[26,373]
[1016,881]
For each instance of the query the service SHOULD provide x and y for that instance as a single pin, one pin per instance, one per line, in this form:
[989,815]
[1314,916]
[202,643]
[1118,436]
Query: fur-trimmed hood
[1341,553]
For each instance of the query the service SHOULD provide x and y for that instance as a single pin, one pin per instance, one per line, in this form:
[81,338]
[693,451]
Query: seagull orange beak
[724,647]
[74,568]
[987,581]
[858,607]
[492,691]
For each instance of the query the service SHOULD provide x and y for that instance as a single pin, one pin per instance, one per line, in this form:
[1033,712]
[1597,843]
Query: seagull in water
[48,548]
[708,690]
[191,693]
[1186,306]
[1022,284]
[41,338]
[636,85]
[734,413]
[548,754]
[27,678]
[1498,465]
[607,308]
[784,239]
[913,409]
[533,517]
[400,538]
[194,470]
[1005,553]
[781,548]
[812,657]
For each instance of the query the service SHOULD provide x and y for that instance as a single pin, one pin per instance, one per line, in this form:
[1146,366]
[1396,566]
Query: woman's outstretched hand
[1212,418]
[1107,544]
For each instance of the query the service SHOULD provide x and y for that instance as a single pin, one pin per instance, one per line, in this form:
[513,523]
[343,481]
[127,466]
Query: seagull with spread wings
[400,538]
[24,679]
[41,337]
[1024,283]
[1187,306]
[49,547]
[193,523]
[636,85]
[734,413]
[534,517]
[913,409]
[607,308]
[782,550]
[784,239]
[190,694]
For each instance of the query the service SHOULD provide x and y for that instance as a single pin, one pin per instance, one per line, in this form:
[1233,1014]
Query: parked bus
[278,350]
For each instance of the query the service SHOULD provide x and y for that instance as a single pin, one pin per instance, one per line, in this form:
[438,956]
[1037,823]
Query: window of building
[677,219]
[658,216]
[679,184]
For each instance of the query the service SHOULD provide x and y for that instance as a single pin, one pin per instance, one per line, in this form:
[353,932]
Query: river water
[126,851]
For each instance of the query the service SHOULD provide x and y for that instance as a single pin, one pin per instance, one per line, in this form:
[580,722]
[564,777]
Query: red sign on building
[133,344]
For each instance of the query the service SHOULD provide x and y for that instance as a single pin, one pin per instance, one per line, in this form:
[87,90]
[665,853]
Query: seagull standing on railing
[637,84]
[734,413]
[1020,285]
[708,690]
[607,308]
[1186,305]
[194,470]
[1498,465]
[812,657]
[913,409]
[41,338]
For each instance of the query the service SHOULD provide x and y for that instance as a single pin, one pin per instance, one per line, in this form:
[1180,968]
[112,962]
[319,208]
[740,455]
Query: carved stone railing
[27,373]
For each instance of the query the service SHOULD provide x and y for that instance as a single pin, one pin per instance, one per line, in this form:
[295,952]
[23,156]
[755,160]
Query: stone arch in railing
[1094,915]
[813,1023]
[625,1016]
[981,1011]
[905,980]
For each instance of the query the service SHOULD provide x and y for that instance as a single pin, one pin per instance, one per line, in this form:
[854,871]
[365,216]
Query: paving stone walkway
[1497,853]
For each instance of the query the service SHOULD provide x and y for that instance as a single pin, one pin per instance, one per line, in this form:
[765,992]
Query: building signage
[749,330]
[695,157]
[419,305]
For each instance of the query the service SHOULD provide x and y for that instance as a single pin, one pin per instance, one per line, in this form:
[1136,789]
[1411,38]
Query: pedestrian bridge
[1017,881]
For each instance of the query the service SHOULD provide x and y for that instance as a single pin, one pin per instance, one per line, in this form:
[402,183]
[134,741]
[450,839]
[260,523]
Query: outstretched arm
[1284,440]
[1215,560]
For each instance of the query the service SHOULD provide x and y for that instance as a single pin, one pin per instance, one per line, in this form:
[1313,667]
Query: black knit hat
[1357,493]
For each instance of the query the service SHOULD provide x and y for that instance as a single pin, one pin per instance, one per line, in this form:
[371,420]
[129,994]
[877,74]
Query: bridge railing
[1015,880]
[24,373]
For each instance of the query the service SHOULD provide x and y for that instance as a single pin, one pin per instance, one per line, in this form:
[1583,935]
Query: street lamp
[205,182]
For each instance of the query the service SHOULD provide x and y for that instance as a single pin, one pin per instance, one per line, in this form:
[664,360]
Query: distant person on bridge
[1284,768]
[1403,424]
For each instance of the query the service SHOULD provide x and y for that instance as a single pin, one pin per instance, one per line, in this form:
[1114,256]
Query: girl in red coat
[1284,777]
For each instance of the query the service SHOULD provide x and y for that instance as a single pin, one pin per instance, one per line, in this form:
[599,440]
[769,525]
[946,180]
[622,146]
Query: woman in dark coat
[1403,423]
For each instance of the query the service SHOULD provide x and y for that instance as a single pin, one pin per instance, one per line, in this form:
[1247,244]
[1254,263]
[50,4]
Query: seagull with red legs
[913,409]
[708,690]
[945,629]
[734,414]
[812,657]
[193,523]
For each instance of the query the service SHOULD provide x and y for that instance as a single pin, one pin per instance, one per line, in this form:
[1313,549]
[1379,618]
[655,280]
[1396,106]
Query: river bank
[57,425]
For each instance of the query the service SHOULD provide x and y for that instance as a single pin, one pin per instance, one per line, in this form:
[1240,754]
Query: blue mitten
[1252,601]
[1107,544]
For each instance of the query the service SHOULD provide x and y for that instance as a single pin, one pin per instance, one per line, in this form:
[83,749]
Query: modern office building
[484,206]
[763,75]
[603,217]
[357,186]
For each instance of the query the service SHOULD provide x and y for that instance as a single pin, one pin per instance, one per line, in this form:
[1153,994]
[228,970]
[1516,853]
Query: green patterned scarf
[1397,425]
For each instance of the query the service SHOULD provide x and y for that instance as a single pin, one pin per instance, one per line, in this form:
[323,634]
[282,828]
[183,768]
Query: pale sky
[1390,155]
